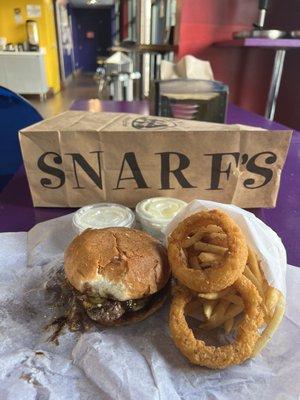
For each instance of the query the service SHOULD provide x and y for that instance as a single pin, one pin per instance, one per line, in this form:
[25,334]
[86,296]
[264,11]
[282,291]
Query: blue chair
[15,113]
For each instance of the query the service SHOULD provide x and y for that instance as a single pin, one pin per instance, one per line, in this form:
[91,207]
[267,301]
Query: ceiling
[93,3]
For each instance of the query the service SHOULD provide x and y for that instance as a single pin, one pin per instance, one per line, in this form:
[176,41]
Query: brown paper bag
[78,158]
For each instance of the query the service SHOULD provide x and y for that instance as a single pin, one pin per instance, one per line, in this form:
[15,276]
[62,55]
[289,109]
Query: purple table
[18,214]
[95,105]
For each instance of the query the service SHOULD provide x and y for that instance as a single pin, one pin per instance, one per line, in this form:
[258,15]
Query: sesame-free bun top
[119,263]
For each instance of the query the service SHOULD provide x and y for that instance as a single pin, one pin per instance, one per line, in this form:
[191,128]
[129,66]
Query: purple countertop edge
[18,214]
[261,43]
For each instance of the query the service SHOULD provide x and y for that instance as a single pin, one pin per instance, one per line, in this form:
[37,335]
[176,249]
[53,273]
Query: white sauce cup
[103,215]
[155,213]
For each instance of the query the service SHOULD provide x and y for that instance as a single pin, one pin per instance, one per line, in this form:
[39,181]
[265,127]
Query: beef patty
[106,311]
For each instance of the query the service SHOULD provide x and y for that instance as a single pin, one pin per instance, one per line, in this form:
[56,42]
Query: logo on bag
[152,123]
[173,169]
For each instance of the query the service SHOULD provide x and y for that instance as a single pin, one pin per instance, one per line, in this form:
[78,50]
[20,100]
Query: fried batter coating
[211,356]
[232,262]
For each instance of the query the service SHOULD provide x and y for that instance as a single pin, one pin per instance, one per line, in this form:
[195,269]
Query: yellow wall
[46,24]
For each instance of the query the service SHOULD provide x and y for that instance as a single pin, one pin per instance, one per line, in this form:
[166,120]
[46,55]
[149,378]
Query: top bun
[119,263]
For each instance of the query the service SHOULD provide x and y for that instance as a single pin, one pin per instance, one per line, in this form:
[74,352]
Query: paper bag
[77,158]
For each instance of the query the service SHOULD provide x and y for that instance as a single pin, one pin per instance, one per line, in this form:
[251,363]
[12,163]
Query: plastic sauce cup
[155,213]
[103,215]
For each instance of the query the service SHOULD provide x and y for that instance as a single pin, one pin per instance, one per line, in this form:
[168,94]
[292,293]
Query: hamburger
[120,275]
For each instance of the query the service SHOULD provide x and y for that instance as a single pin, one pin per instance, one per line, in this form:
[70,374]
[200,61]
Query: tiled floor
[82,87]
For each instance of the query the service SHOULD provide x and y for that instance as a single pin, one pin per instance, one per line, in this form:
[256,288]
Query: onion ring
[211,356]
[211,279]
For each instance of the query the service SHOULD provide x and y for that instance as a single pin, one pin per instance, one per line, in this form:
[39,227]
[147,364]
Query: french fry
[215,295]
[236,324]
[270,301]
[203,265]
[254,280]
[218,239]
[220,309]
[271,297]
[208,308]
[198,235]
[193,239]
[253,265]
[228,325]
[208,257]
[217,320]
[235,299]
[210,248]
[271,326]
[217,235]
[233,310]
[193,262]
[194,309]
[184,254]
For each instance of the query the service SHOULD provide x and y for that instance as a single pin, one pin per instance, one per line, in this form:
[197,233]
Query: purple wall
[92,36]
[75,37]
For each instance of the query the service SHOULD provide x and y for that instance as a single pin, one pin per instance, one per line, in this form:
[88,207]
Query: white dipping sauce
[155,213]
[103,215]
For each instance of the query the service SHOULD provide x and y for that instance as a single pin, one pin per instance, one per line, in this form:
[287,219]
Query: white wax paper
[264,241]
[137,362]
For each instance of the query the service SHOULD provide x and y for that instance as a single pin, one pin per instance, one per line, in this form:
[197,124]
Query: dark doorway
[91,36]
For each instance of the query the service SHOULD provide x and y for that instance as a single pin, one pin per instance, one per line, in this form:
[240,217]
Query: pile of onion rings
[220,283]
